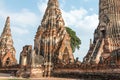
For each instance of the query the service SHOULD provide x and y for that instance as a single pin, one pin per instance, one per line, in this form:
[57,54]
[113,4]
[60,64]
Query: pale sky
[26,15]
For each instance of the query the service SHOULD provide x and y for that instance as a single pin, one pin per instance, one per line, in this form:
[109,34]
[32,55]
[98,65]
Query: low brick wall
[86,75]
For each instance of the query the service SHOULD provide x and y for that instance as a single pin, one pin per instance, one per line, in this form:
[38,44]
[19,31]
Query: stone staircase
[97,51]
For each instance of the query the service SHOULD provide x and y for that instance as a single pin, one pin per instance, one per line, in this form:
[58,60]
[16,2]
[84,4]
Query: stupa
[7,50]
[51,40]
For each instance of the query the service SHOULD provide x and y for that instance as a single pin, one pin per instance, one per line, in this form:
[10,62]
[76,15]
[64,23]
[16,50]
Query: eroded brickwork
[51,40]
[107,34]
[7,50]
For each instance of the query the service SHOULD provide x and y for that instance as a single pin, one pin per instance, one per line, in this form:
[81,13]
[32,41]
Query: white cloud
[72,17]
[21,21]
[20,31]
[25,18]
[80,18]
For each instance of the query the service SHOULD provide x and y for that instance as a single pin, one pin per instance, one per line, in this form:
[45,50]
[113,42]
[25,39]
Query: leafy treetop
[75,40]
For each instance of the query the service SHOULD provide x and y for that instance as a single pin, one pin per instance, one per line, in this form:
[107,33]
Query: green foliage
[75,41]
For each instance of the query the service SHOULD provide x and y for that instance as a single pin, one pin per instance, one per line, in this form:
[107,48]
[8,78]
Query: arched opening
[103,33]
[7,61]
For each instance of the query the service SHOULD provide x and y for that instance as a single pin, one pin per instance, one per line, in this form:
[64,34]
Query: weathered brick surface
[7,50]
[107,34]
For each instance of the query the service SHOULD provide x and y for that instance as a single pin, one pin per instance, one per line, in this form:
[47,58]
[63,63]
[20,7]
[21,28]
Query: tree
[75,41]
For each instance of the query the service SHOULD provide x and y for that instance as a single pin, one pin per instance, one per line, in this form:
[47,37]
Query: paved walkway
[8,76]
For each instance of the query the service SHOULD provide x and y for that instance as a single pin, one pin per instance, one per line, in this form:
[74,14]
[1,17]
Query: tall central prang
[107,34]
[51,40]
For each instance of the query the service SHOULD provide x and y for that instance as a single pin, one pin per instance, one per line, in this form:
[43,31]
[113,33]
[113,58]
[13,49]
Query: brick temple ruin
[7,50]
[107,35]
[51,44]
[52,54]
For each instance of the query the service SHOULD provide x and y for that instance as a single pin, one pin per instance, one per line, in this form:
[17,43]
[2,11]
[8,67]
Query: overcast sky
[26,15]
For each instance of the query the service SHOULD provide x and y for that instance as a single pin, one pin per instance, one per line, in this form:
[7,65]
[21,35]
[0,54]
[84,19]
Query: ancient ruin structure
[36,69]
[51,45]
[25,61]
[51,40]
[30,63]
[7,50]
[107,34]
[25,56]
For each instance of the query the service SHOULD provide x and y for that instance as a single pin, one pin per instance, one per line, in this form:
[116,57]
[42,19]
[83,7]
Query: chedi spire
[52,3]
[7,51]
[51,40]
[6,29]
